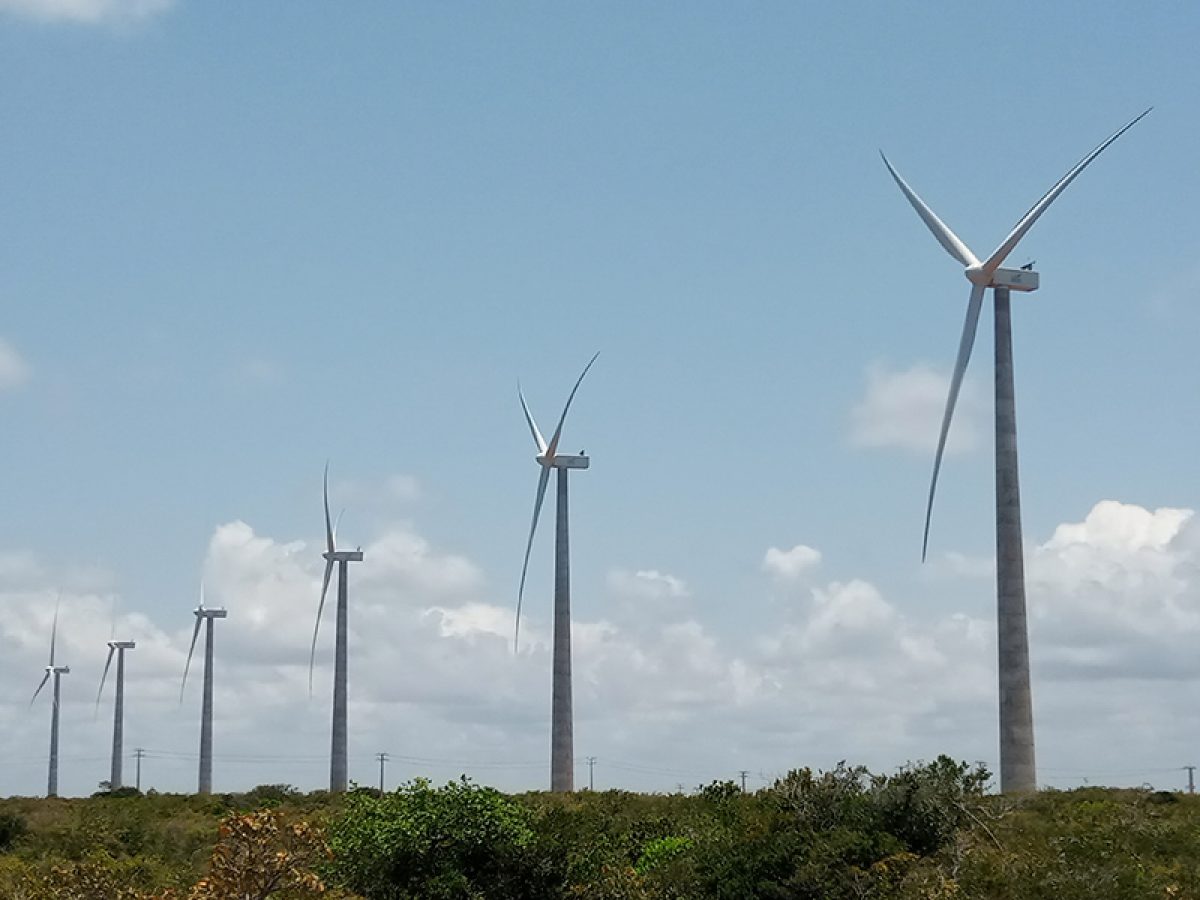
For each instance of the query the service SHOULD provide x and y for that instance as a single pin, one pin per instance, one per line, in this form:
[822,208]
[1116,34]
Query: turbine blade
[543,479]
[336,523]
[191,650]
[312,656]
[104,675]
[966,342]
[45,678]
[997,258]
[947,238]
[552,447]
[537,435]
[54,630]
[328,527]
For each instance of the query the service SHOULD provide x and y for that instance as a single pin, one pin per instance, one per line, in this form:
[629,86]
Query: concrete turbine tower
[562,740]
[118,740]
[338,765]
[1018,771]
[57,672]
[206,616]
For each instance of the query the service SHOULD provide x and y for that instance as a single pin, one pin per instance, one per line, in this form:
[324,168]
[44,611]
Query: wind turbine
[57,672]
[338,753]
[562,740]
[205,615]
[1017,767]
[118,740]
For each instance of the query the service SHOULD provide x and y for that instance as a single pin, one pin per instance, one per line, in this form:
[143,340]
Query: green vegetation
[928,831]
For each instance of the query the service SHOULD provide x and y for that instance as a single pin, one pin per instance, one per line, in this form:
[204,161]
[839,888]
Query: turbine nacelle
[122,645]
[343,555]
[203,612]
[561,461]
[1013,279]
[58,670]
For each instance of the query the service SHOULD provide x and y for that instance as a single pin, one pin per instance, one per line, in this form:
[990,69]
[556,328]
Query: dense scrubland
[927,831]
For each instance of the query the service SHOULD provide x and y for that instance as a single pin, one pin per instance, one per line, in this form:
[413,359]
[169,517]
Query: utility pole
[1191,770]
[383,758]
[591,761]
[743,773]
[138,754]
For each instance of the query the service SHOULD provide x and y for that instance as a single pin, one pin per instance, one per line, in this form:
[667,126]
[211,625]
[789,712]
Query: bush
[457,841]
[12,827]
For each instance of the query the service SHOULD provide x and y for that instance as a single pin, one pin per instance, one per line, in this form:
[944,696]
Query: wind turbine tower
[338,765]
[55,671]
[118,740]
[1018,771]
[562,740]
[206,616]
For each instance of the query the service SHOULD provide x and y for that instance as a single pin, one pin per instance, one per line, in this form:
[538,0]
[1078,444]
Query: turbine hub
[977,276]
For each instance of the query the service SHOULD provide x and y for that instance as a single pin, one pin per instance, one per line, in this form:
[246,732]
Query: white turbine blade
[997,259]
[312,656]
[966,342]
[328,527]
[552,447]
[45,678]
[337,522]
[947,238]
[104,675]
[543,479]
[54,630]
[533,429]
[191,650]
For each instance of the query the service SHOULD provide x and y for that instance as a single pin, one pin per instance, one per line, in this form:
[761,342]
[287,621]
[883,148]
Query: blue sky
[241,238]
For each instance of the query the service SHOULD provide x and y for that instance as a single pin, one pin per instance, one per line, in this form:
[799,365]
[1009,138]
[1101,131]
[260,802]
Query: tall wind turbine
[338,753]
[562,740]
[1017,767]
[57,672]
[118,740]
[204,615]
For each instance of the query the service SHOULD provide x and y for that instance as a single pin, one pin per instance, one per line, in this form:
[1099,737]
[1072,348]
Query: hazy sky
[237,239]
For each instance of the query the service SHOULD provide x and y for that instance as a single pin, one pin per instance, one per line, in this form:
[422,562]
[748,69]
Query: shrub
[457,841]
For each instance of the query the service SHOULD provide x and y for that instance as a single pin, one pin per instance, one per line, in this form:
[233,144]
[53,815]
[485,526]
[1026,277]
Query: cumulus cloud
[14,371]
[647,584]
[85,12]
[788,565]
[903,408]
[1118,593]
[845,671]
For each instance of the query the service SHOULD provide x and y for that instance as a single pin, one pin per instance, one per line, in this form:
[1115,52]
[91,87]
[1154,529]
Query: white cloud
[842,672]
[87,12]
[647,584]
[14,371]
[789,565]
[903,408]
[403,488]
[1118,593]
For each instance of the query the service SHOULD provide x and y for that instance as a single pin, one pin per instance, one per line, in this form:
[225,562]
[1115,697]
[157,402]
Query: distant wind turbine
[1017,767]
[118,740]
[562,741]
[205,615]
[338,765]
[57,672]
